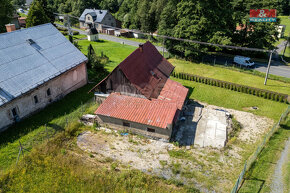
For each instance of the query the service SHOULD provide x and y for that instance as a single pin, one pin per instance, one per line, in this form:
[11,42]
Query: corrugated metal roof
[155,113]
[25,65]
[146,69]
[173,92]
[96,13]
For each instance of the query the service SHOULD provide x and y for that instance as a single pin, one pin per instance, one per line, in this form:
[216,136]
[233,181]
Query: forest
[213,21]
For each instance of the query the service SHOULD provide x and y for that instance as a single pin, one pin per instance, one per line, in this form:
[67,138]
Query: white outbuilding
[92,34]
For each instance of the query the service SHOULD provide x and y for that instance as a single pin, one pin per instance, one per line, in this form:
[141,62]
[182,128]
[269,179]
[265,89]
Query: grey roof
[30,57]
[94,12]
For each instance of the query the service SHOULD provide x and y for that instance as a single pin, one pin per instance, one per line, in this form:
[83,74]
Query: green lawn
[118,52]
[225,74]
[285,20]
[115,51]
[233,100]
[259,177]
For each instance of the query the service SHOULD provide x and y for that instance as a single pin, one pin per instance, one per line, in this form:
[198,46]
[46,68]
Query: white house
[38,65]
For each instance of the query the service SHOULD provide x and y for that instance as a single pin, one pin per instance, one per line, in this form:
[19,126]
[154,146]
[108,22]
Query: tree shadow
[55,110]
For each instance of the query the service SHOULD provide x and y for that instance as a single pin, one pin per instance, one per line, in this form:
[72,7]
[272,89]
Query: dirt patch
[208,169]
[253,126]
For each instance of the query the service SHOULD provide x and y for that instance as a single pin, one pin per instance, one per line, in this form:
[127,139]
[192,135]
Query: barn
[38,65]
[141,96]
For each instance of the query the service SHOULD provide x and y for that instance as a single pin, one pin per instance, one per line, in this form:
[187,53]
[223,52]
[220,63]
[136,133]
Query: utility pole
[163,46]
[268,68]
[286,44]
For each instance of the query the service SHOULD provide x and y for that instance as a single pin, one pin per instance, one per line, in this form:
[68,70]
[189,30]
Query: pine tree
[36,15]
[6,13]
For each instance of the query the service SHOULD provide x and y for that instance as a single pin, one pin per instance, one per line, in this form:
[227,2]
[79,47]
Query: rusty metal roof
[146,69]
[152,113]
[173,92]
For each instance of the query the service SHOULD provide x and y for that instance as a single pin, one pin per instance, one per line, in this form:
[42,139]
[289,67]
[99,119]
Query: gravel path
[277,185]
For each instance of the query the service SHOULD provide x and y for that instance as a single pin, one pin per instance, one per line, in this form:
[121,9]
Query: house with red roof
[141,96]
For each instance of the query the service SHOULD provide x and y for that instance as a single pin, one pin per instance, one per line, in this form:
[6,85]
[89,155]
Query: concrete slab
[211,130]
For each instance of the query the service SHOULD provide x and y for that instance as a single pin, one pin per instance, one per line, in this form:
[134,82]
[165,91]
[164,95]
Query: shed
[92,34]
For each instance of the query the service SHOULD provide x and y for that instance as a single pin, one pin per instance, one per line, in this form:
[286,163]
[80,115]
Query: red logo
[263,13]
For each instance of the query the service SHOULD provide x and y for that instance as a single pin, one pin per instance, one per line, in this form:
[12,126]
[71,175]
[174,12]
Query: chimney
[10,27]
[141,47]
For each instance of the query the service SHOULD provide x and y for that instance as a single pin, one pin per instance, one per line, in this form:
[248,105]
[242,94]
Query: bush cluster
[235,87]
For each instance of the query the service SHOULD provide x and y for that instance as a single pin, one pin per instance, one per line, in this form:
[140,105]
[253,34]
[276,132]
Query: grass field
[59,166]
[233,100]
[115,51]
[29,131]
[229,75]
[118,52]
[259,177]
[285,20]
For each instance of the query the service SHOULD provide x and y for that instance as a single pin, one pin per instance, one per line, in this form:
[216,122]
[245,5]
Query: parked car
[20,10]
[243,61]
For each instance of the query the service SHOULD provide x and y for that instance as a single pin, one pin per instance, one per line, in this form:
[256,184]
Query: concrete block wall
[136,128]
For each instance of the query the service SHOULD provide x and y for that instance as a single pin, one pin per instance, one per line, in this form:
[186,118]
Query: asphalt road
[277,68]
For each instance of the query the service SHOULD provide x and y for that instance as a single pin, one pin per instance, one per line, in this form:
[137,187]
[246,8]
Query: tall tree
[257,35]
[6,13]
[18,3]
[47,10]
[36,15]
[208,21]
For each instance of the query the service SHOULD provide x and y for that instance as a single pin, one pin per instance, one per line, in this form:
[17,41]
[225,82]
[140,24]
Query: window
[35,99]
[126,124]
[111,84]
[109,19]
[48,92]
[151,130]
[14,112]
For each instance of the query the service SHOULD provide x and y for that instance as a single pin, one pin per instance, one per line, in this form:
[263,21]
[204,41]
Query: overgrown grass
[31,131]
[58,166]
[229,75]
[259,177]
[233,100]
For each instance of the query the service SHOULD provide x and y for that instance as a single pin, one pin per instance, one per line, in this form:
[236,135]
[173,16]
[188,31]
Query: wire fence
[253,157]
[50,129]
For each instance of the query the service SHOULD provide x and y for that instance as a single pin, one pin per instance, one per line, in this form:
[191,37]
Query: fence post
[214,60]
[20,151]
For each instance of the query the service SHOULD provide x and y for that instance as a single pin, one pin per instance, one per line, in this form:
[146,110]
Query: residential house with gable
[141,97]
[38,66]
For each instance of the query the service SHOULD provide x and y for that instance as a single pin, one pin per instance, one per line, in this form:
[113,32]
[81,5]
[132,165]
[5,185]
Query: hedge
[235,87]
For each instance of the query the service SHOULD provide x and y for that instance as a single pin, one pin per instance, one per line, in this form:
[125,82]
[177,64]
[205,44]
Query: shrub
[280,98]
[276,97]
[65,33]
[76,33]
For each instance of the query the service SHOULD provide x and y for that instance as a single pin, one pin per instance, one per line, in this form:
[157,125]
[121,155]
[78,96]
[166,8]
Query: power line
[191,41]
[181,39]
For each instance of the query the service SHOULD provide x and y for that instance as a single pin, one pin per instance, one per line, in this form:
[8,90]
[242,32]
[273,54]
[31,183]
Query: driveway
[115,39]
